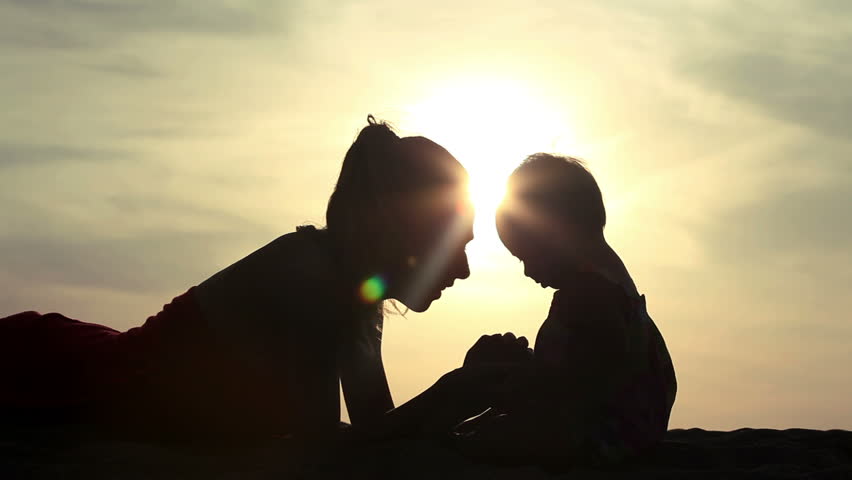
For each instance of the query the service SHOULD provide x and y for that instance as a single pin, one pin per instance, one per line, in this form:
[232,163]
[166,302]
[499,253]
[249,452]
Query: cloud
[215,16]
[131,242]
[792,60]
[793,91]
[23,154]
[140,263]
[12,35]
[806,222]
[98,25]
[126,65]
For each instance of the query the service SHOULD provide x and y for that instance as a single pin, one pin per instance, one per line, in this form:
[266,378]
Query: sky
[146,145]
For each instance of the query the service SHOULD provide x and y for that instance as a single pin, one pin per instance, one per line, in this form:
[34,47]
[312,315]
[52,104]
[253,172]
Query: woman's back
[277,313]
[254,349]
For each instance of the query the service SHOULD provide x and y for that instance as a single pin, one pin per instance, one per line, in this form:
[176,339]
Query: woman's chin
[420,305]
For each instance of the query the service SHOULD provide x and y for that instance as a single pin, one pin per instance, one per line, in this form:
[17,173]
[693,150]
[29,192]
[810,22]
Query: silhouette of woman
[263,345]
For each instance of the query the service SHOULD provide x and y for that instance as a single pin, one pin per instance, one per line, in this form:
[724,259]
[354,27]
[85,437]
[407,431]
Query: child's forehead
[519,239]
[522,222]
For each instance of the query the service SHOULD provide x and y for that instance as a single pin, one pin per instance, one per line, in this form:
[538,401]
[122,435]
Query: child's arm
[585,337]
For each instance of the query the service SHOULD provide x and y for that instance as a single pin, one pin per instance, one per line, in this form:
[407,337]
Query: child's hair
[559,187]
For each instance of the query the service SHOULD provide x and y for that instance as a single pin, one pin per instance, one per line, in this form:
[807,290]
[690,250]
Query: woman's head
[400,214]
[552,212]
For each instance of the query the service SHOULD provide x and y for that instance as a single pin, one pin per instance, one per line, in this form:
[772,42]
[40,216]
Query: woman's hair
[381,180]
[560,188]
[359,182]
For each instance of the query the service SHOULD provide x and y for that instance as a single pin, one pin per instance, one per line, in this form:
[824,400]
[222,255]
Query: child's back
[598,343]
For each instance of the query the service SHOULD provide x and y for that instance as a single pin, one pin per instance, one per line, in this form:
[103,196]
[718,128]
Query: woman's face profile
[436,246]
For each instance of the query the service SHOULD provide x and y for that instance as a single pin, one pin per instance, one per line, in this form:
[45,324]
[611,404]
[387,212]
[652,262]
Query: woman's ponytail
[355,196]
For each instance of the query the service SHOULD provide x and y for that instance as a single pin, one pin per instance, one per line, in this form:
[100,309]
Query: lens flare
[372,289]
[433,265]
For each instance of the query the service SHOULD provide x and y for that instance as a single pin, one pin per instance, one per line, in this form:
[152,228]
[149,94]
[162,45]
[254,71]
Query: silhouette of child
[601,384]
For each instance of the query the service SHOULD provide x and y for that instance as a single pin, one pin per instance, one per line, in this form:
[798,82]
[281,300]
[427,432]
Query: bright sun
[490,125]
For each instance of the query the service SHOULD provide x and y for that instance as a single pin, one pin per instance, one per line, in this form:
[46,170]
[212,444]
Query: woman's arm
[369,402]
[362,376]
[365,387]
[457,396]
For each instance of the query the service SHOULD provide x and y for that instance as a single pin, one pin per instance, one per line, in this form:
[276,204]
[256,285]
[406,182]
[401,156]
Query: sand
[692,454]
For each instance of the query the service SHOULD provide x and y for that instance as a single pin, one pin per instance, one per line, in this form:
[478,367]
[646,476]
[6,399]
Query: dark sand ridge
[692,454]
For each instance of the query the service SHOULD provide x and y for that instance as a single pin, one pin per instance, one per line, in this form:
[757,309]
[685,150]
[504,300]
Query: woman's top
[290,313]
[258,347]
[275,312]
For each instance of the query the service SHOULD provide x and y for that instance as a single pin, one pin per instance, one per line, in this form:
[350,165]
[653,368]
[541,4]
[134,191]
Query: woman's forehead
[430,160]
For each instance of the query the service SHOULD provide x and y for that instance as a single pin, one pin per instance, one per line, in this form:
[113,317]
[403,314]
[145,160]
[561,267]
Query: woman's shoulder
[304,251]
[295,255]
[280,271]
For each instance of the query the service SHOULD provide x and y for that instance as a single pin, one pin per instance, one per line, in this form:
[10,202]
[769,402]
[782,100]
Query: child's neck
[602,259]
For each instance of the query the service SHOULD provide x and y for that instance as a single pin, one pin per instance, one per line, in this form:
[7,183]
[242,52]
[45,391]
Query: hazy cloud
[791,60]
[808,222]
[35,36]
[13,155]
[138,263]
[184,16]
[126,65]
[171,244]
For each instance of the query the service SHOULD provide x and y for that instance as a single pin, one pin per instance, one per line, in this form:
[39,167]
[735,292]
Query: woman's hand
[466,392]
[500,439]
[497,349]
[458,395]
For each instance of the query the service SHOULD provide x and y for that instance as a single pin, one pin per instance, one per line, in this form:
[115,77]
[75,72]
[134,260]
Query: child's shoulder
[587,295]
[584,287]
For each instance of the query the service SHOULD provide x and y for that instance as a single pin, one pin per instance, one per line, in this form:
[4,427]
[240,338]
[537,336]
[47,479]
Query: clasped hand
[490,368]
[499,349]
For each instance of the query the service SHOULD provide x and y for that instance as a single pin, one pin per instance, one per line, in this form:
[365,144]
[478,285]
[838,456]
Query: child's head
[552,212]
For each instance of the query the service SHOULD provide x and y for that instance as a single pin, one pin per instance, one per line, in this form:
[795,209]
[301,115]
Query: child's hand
[506,348]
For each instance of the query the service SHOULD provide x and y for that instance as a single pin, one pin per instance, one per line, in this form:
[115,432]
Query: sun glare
[490,125]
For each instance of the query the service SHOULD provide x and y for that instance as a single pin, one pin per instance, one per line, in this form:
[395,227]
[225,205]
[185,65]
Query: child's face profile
[545,260]
[540,270]
[548,251]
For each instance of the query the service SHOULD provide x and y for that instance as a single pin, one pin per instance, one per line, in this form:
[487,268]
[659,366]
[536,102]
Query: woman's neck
[337,252]
[353,272]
